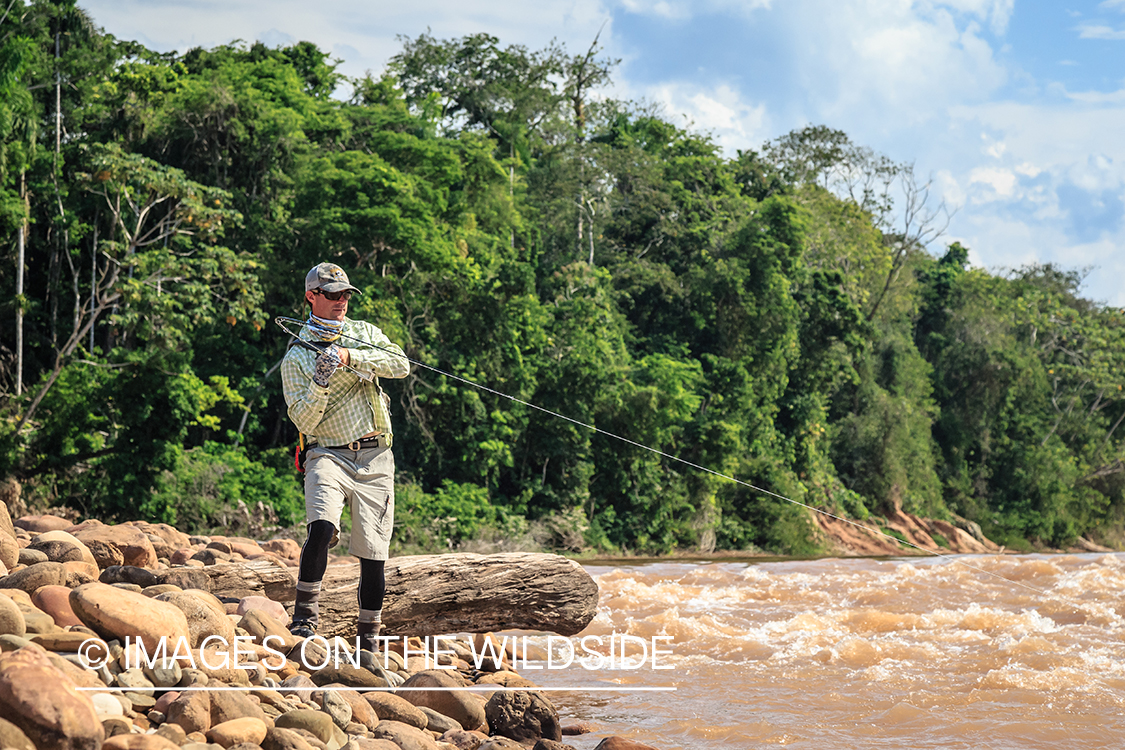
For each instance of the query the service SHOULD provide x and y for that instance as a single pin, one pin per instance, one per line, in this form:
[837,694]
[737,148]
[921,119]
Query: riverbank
[125,637]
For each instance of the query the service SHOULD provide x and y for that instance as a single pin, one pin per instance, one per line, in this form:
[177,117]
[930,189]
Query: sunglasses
[335,296]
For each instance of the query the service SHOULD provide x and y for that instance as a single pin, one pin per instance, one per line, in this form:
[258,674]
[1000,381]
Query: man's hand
[326,364]
[345,356]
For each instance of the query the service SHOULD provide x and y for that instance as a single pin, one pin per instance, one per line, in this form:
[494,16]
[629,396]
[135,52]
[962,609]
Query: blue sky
[1014,108]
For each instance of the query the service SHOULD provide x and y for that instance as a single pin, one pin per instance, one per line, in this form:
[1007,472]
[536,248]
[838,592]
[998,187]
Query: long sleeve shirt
[349,407]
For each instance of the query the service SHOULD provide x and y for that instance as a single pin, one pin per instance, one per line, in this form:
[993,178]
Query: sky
[1014,109]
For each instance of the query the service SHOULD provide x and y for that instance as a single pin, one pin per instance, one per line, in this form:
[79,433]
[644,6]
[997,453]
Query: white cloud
[684,9]
[369,28]
[1002,182]
[1097,97]
[720,110]
[861,61]
[1099,31]
[661,8]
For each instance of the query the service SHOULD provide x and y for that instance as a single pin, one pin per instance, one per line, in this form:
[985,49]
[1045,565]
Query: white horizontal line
[475,689]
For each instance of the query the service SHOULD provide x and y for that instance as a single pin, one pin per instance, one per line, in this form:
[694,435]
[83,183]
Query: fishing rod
[281,321]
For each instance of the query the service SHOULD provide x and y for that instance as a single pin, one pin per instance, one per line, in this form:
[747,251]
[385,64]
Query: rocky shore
[111,637]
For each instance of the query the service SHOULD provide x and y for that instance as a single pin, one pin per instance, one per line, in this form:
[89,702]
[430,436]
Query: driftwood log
[437,594]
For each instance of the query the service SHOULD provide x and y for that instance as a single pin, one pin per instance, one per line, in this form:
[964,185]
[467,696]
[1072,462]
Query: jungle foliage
[787,316]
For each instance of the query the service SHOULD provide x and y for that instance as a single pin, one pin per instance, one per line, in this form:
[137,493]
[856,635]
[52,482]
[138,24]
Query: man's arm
[306,400]
[379,356]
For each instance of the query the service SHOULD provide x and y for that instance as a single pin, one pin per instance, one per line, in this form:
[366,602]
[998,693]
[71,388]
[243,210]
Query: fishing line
[281,321]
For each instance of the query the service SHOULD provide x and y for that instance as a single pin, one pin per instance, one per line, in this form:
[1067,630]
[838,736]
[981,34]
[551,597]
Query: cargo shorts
[365,479]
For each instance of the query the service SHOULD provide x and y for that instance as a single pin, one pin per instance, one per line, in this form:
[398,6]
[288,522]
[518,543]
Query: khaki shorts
[365,479]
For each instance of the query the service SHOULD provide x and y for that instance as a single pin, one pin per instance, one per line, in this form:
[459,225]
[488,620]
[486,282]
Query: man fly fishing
[334,399]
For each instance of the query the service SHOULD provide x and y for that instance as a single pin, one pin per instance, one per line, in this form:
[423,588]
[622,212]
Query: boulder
[116,725]
[59,546]
[438,723]
[43,702]
[361,710]
[405,736]
[10,491]
[300,687]
[522,716]
[501,743]
[142,577]
[238,731]
[622,743]
[545,744]
[55,601]
[9,550]
[345,674]
[79,572]
[31,556]
[280,738]
[12,736]
[42,523]
[462,739]
[462,707]
[11,618]
[33,576]
[390,707]
[139,742]
[283,548]
[204,613]
[133,544]
[260,625]
[274,609]
[366,743]
[336,707]
[506,678]
[105,553]
[65,641]
[318,723]
[115,613]
[170,535]
[191,711]
[227,705]
[187,578]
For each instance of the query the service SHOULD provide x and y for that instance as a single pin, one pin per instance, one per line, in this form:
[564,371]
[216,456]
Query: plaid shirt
[349,407]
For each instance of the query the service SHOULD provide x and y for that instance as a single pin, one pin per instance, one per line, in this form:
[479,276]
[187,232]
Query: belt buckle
[353,445]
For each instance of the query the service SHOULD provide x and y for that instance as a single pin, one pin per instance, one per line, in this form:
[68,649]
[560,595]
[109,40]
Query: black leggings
[314,561]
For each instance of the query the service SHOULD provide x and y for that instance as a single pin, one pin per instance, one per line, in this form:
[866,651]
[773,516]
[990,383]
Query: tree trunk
[19,288]
[438,594]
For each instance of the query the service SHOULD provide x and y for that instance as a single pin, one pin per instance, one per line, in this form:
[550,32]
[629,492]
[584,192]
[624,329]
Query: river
[1005,652]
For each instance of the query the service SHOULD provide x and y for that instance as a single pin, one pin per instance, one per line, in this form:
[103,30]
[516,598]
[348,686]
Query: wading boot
[306,613]
[369,635]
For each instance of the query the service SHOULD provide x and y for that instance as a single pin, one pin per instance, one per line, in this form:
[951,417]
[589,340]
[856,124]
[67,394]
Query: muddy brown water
[1009,652]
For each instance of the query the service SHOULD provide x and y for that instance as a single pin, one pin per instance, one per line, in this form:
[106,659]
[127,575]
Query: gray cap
[329,277]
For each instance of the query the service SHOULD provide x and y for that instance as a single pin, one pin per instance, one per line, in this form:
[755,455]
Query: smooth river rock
[462,707]
[238,731]
[59,546]
[55,601]
[116,613]
[43,702]
[205,615]
[391,707]
[133,543]
[522,716]
[11,618]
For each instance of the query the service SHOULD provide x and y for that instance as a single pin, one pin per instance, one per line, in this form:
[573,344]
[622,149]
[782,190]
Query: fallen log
[437,594]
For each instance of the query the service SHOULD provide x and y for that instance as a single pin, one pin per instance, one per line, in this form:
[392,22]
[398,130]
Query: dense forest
[788,315]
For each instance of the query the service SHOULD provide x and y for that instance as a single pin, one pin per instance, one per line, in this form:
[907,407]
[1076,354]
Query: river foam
[998,652]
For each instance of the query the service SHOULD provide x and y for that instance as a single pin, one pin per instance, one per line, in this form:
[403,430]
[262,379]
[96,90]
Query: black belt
[381,440]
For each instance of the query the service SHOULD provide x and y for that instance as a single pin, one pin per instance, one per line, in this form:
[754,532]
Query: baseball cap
[329,277]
